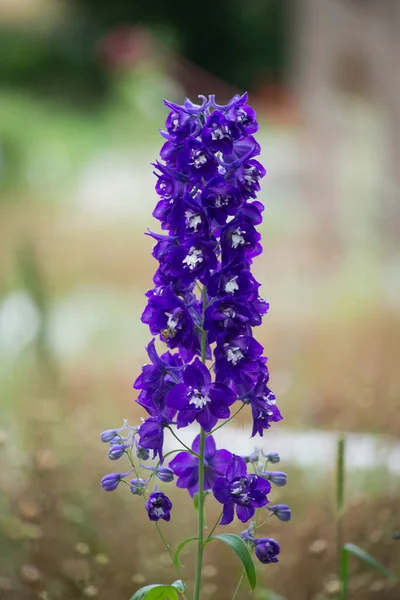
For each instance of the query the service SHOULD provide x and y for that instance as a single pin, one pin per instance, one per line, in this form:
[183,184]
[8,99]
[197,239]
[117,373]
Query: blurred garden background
[81,88]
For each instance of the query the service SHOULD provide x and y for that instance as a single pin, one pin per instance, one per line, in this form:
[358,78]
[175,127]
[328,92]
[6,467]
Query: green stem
[238,585]
[180,441]
[200,522]
[227,421]
[215,525]
[168,549]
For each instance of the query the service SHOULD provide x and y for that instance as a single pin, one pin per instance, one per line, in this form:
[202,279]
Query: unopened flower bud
[281,511]
[165,474]
[252,458]
[276,477]
[116,451]
[142,453]
[137,486]
[272,457]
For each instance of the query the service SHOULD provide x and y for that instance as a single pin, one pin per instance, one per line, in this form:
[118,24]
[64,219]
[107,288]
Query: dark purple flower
[220,199]
[248,176]
[151,434]
[189,261]
[266,550]
[168,315]
[158,506]
[237,359]
[219,133]
[186,466]
[196,157]
[228,315]
[181,125]
[197,398]
[232,280]
[281,511]
[238,488]
[263,407]
[157,378]
[240,241]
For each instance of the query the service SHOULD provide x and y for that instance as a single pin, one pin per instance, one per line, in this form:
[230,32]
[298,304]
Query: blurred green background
[81,88]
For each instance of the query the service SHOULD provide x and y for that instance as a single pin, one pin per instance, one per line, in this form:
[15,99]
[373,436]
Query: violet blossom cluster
[204,306]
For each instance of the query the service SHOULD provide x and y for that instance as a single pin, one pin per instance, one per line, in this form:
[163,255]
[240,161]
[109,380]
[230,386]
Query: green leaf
[180,548]
[239,547]
[369,560]
[160,592]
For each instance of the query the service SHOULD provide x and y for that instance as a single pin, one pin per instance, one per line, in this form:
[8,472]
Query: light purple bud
[272,457]
[137,486]
[165,474]
[116,451]
[276,477]
[252,458]
[142,453]
[108,435]
[281,511]
[109,483]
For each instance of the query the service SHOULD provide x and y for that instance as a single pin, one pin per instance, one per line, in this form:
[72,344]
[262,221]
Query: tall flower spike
[204,306]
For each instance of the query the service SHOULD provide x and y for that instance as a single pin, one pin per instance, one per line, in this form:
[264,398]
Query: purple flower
[219,133]
[198,159]
[266,550]
[237,359]
[233,281]
[246,491]
[158,506]
[151,434]
[230,316]
[197,398]
[186,466]
[263,407]
[168,315]
[220,199]
[157,378]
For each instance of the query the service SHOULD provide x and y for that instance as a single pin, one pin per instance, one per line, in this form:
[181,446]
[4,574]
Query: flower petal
[244,513]
[177,396]
[227,514]
[221,490]
[236,468]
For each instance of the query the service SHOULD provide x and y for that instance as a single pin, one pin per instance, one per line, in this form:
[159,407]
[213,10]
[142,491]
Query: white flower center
[234,354]
[270,399]
[198,159]
[158,511]
[193,220]
[199,400]
[251,175]
[193,258]
[175,123]
[221,201]
[232,286]
[172,322]
[237,238]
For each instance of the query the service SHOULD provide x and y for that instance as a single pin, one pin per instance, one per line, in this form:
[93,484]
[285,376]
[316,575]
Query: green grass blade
[370,560]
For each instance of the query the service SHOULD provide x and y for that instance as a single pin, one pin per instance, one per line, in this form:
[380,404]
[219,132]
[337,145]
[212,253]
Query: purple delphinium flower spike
[205,302]
[186,466]
[241,489]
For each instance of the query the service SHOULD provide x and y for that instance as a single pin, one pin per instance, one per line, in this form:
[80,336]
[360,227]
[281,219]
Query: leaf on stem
[239,547]
[180,548]
[158,591]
